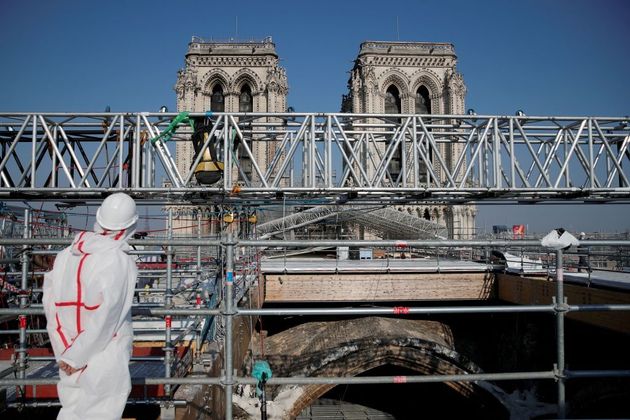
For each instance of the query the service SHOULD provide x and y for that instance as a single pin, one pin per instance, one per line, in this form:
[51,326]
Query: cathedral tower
[413,78]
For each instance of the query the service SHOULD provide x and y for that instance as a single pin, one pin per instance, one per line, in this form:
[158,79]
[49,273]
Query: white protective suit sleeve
[105,320]
[48,302]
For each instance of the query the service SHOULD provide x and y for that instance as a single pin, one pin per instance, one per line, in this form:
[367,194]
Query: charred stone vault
[354,347]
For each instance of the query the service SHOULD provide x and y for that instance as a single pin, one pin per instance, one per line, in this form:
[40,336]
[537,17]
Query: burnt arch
[354,347]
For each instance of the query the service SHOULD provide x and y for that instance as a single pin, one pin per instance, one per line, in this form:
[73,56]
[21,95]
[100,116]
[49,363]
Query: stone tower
[229,76]
[413,78]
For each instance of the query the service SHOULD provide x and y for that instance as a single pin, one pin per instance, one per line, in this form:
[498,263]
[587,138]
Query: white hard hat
[117,212]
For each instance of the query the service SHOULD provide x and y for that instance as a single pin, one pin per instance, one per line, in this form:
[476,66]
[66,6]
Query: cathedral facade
[387,78]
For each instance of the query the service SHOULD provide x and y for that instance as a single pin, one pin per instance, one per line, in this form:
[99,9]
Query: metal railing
[229,309]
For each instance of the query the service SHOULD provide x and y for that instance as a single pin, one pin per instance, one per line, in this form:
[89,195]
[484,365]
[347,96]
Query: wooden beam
[378,287]
[539,291]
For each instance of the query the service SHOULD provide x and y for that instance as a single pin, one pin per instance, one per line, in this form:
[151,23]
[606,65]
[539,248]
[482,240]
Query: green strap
[181,118]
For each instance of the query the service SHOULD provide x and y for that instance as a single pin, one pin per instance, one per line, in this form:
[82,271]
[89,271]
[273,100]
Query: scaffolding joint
[560,307]
[559,375]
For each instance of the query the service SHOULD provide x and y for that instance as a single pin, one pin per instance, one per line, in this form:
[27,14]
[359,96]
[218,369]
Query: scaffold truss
[383,221]
[330,157]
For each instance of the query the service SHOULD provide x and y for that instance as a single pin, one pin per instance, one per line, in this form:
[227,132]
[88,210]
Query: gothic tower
[230,77]
[413,78]
[227,76]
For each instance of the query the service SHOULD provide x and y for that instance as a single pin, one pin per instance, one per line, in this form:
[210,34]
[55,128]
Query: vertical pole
[403,153]
[229,309]
[512,157]
[149,156]
[121,137]
[53,163]
[305,154]
[24,299]
[198,282]
[591,168]
[199,246]
[312,155]
[560,308]
[291,168]
[168,303]
[496,152]
[480,159]
[414,154]
[328,162]
[136,157]
[33,152]
[227,171]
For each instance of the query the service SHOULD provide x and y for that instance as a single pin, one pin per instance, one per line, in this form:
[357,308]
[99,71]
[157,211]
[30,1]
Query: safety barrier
[228,310]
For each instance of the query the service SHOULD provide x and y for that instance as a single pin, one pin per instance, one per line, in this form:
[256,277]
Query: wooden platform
[539,291]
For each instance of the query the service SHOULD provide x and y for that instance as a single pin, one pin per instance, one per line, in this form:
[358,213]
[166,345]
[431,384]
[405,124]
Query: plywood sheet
[378,287]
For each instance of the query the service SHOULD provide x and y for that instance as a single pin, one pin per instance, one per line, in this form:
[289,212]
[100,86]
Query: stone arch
[436,215]
[352,347]
[429,79]
[397,78]
[213,77]
[247,76]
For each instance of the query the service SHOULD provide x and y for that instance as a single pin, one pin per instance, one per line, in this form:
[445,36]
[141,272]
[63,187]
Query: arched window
[423,102]
[217,100]
[393,106]
[392,101]
[427,215]
[245,101]
[423,106]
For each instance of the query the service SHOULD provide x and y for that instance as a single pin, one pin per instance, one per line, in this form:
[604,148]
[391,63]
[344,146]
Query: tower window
[393,106]
[423,102]
[217,100]
[245,103]
[392,101]
[423,106]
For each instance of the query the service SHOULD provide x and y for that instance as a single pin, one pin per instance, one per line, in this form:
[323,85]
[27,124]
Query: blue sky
[545,57]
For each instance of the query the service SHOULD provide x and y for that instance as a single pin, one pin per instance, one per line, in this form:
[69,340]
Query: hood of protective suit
[101,240]
[559,239]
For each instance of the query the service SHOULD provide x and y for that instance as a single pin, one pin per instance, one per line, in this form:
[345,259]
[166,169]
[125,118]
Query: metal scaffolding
[386,222]
[228,309]
[324,157]
[349,165]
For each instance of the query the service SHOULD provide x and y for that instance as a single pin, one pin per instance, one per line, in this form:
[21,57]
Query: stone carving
[277,80]
[455,83]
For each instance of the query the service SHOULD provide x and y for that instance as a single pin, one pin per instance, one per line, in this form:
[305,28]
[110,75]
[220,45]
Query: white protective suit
[87,300]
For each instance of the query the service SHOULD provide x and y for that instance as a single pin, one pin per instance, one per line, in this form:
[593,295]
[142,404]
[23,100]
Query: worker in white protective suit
[87,301]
